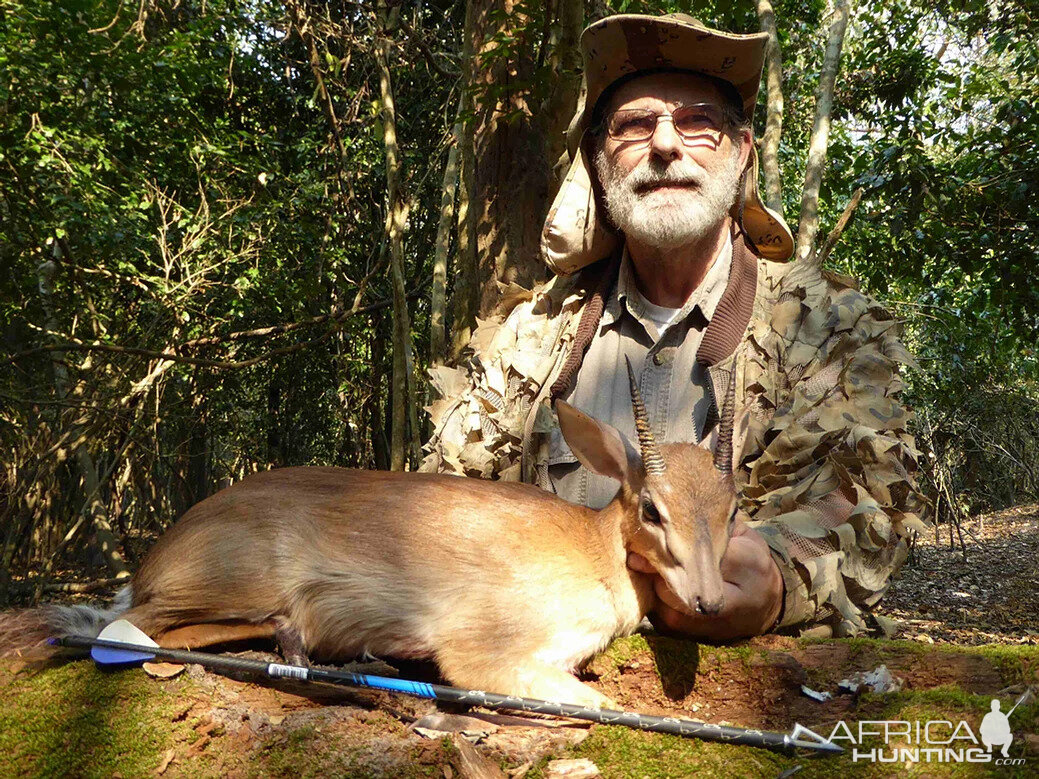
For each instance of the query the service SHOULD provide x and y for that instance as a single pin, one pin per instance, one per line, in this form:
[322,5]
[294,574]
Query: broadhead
[814,742]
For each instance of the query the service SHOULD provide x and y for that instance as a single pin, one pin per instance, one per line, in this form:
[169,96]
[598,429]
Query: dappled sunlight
[988,599]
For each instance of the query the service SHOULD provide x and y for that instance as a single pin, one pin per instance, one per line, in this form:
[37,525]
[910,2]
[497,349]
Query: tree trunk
[808,225]
[774,114]
[396,217]
[198,444]
[376,415]
[466,298]
[515,134]
[438,302]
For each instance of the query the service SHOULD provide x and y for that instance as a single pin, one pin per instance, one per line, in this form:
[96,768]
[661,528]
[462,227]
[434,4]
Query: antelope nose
[710,606]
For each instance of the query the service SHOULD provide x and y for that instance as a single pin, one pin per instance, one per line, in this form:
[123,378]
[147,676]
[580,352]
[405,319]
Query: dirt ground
[991,597]
[970,630]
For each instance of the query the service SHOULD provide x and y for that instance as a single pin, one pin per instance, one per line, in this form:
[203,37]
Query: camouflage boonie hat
[617,47]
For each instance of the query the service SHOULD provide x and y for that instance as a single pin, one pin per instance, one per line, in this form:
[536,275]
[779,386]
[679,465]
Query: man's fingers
[739,527]
[747,554]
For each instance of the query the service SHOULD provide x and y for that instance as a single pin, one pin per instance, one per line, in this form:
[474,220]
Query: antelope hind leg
[209,633]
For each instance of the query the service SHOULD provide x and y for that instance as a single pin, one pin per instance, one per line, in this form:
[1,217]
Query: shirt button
[665,356]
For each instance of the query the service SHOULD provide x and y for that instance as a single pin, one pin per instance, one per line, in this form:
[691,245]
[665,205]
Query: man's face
[668,190]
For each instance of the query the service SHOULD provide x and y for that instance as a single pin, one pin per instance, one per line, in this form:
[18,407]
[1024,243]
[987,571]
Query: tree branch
[835,233]
[302,26]
[80,346]
[424,48]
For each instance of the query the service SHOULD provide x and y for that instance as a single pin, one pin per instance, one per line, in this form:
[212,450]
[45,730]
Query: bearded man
[666,256]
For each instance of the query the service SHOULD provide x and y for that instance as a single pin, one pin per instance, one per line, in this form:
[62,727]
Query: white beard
[675,217]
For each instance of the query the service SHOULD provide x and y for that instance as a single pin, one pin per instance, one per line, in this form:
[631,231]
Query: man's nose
[665,142]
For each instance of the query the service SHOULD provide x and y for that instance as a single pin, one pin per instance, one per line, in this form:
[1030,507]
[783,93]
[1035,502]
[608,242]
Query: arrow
[122,644]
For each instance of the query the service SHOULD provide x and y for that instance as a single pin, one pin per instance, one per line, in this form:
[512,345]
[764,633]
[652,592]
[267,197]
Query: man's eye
[633,124]
[696,119]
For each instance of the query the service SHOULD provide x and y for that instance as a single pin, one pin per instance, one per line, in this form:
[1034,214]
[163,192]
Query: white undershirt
[661,316]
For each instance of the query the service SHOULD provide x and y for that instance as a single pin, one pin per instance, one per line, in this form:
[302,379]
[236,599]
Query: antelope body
[507,587]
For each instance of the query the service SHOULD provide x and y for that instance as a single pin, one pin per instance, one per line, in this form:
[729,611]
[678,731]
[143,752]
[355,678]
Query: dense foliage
[206,181]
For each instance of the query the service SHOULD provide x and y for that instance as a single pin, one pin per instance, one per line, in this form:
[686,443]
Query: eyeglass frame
[730,120]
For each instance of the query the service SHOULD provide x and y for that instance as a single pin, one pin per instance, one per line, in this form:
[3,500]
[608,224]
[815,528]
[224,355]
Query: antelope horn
[723,450]
[652,460]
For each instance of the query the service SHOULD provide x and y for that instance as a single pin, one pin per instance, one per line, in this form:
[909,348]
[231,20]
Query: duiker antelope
[507,587]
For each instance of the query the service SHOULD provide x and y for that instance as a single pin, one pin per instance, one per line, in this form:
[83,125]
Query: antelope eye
[650,513]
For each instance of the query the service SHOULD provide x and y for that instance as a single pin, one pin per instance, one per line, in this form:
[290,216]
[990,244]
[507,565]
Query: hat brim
[767,230]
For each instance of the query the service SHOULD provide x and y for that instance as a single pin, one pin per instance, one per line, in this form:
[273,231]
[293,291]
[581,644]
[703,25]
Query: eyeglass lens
[639,124]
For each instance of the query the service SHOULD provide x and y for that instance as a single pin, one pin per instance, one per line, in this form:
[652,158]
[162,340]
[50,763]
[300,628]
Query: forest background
[237,235]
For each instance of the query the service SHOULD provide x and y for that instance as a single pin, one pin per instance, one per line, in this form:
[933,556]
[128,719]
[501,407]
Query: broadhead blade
[814,740]
[128,633]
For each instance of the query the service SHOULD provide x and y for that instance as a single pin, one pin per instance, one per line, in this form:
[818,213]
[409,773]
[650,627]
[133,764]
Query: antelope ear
[599,447]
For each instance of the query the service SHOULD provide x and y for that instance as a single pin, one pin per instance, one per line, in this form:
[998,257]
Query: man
[667,256]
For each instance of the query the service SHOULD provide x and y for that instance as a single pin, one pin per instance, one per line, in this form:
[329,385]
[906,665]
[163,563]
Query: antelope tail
[24,632]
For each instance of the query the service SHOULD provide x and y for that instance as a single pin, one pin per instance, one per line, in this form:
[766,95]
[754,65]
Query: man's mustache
[645,177]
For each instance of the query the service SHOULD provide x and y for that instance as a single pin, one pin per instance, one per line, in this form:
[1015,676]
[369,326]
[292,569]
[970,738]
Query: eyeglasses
[639,124]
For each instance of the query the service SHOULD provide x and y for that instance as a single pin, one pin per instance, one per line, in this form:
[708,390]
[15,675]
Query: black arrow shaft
[673,725]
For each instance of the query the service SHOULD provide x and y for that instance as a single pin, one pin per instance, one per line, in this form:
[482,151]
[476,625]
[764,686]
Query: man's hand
[753,592]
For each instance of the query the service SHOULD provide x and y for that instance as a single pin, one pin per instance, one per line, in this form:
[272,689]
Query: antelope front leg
[524,679]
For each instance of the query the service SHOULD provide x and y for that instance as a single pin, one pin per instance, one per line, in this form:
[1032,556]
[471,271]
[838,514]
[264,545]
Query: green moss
[1016,664]
[624,649]
[1016,661]
[951,704]
[297,752]
[945,702]
[859,646]
[72,720]
[743,652]
[621,752]
[447,744]
[307,751]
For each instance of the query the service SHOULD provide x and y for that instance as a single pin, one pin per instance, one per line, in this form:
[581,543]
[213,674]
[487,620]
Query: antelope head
[679,501]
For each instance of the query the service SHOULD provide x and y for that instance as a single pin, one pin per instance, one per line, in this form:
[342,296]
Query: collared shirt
[661,344]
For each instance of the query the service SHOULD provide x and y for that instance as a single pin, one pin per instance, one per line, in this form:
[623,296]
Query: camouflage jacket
[822,459]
